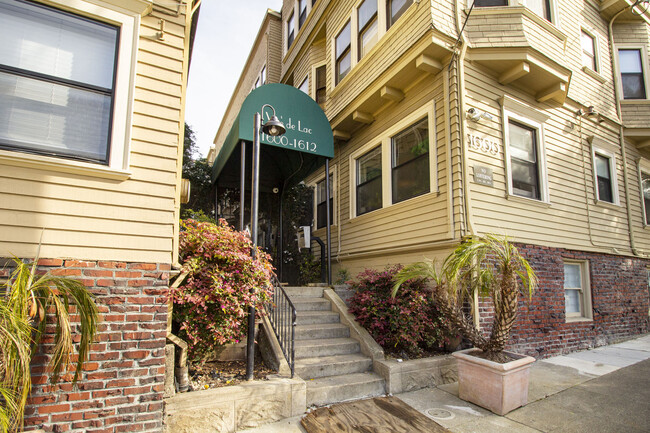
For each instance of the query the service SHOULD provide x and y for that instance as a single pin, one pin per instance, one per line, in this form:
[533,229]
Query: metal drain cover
[438,413]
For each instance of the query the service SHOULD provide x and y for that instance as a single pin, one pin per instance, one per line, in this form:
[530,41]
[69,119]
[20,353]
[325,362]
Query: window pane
[343,66]
[368,38]
[572,301]
[633,86]
[572,277]
[49,42]
[369,166]
[395,10]
[630,61]
[410,143]
[540,7]
[645,184]
[411,179]
[290,30]
[522,144]
[302,15]
[321,214]
[369,196]
[305,86]
[321,84]
[602,167]
[588,51]
[367,11]
[343,40]
[54,119]
[481,3]
[524,179]
[263,75]
[320,191]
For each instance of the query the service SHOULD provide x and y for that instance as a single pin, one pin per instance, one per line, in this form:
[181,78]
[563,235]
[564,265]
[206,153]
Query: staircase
[330,362]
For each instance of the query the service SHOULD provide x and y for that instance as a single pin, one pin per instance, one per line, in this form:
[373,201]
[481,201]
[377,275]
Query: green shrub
[212,303]
[406,324]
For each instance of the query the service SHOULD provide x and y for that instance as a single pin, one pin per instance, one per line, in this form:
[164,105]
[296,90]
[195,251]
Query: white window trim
[306,79]
[312,84]
[314,184]
[596,74]
[587,313]
[644,67]
[526,115]
[384,140]
[128,20]
[603,148]
[555,16]
[296,24]
[643,167]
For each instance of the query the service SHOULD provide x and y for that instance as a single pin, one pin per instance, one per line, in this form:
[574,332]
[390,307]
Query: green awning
[290,157]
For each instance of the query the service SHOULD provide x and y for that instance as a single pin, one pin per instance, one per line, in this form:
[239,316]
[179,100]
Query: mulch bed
[216,374]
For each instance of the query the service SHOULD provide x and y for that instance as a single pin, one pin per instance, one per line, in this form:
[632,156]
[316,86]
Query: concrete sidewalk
[600,390]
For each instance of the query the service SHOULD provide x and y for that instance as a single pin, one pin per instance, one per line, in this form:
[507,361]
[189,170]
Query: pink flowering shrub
[212,303]
[407,324]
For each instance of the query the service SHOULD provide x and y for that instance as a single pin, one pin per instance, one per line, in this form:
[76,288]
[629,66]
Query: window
[368,28]
[487,3]
[577,294]
[394,10]
[369,191]
[304,86]
[343,55]
[410,162]
[57,82]
[604,169]
[290,30]
[321,203]
[263,75]
[588,44]
[302,12]
[632,80]
[645,192]
[540,7]
[524,164]
[321,84]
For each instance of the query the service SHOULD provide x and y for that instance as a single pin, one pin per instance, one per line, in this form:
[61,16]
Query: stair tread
[344,380]
[332,359]
[320,326]
[325,342]
[316,313]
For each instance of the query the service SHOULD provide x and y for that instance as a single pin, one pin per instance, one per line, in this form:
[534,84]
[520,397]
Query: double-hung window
[524,161]
[291,30]
[394,10]
[410,162]
[604,178]
[321,203]
[577,293]
[603,156]
[368,27]
[540,7]
[57,82]
[302,12]
[368,176]
[588,45]
[321,84]
[632,73]
[645,195]
[488,3]
[343,53]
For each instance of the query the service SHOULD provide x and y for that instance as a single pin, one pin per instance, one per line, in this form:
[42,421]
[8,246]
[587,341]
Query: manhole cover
[438,413]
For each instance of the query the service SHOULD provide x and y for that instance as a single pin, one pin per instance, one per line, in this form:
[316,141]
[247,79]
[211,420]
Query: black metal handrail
[282,315]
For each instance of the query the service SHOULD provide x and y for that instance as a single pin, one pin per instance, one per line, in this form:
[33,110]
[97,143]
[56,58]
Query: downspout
[469,226]
[621,135]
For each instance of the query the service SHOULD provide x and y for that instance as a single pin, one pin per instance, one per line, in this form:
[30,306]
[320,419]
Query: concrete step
[334,389]
[328,330]
[336,365]
[311,304]
[315,317]
[300,292]
[325,347]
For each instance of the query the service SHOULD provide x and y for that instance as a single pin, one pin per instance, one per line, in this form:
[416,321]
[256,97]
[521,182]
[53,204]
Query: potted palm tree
[29,302]
[489,266]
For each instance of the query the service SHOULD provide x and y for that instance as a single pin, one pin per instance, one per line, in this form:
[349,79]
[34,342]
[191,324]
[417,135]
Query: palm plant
[490,266]
[25,307]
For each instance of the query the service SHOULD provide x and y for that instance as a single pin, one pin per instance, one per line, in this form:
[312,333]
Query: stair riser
[300,292]
[312,334]
[313,306]
[317,319]
[335,394]
[335,369]
[326,350]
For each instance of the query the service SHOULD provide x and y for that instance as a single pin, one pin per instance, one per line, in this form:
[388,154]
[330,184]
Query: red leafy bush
[211,305]
[407,324]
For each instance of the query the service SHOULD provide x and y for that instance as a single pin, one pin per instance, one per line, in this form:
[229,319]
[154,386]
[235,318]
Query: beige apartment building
[92,96]
[453,119]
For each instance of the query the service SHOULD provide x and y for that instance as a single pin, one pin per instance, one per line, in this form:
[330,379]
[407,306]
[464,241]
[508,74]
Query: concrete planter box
[416,373]
[494,386]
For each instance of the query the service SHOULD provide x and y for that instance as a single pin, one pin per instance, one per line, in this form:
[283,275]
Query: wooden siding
[95,218]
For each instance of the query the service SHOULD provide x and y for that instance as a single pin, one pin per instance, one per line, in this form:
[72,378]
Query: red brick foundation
[122,385]
[620,301]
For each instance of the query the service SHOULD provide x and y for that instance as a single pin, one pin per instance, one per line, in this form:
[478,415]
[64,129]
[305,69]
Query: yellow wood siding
[96,218]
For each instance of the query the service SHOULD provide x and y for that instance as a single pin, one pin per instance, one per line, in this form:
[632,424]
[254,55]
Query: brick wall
[619,291]
[122,386]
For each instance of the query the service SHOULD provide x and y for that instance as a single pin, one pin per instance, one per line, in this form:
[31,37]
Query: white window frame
[643,167]
[602,148]
[126,16]
[586,313]
[384,140]
[524,114]
[644,67]
[510,3]
[314,184]
[294,13]
[313,89]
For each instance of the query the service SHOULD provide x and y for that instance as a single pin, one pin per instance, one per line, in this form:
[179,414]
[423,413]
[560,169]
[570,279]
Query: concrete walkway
[600,390]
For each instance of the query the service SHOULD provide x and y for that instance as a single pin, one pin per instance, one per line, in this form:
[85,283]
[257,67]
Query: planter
[497,387]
